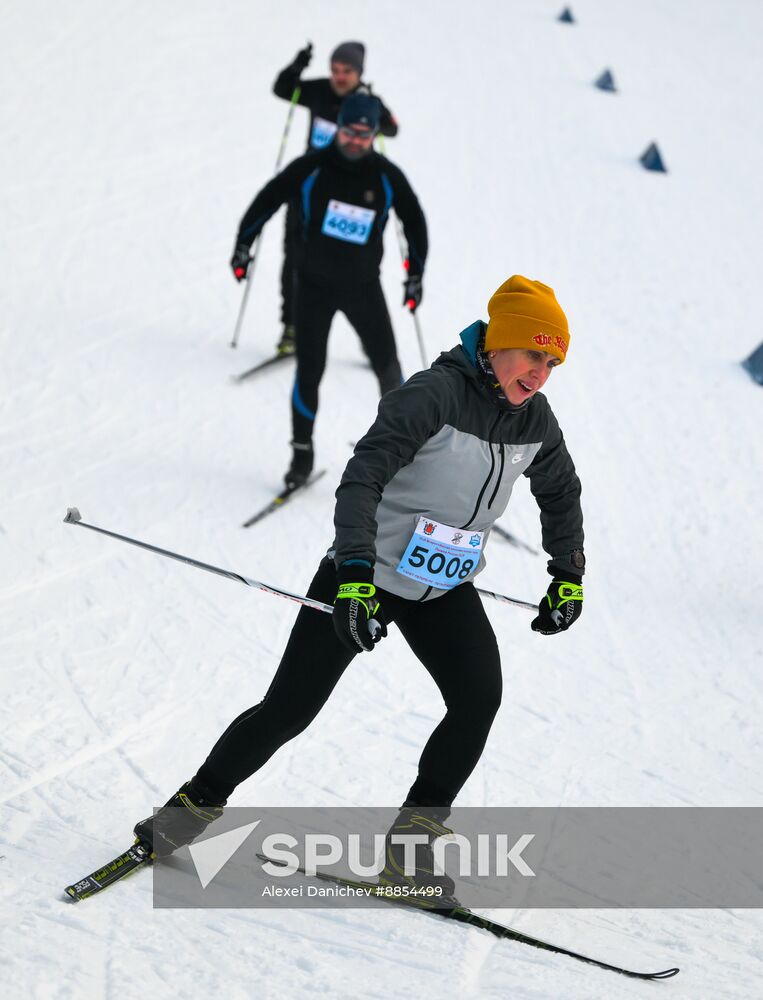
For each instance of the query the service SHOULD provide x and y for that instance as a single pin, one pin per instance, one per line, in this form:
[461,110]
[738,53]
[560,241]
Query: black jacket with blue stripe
[443,448]
[372,184]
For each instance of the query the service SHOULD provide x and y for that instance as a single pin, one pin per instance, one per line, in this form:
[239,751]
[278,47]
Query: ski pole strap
[565,591]
[361,592]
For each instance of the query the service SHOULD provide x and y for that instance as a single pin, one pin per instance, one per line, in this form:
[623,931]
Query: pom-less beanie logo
[544,339]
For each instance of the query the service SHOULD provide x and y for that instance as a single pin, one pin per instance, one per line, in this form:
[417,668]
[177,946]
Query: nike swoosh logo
[517,458]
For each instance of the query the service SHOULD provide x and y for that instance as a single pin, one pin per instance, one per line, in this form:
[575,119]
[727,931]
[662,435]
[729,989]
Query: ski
[261,366]
[136,857]
[463,915]
[277,502]
[513,540]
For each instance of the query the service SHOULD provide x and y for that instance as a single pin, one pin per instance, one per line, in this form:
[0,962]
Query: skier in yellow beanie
[525,313]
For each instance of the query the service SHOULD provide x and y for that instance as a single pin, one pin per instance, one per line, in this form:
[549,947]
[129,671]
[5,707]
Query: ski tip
[72,515]
[667,974]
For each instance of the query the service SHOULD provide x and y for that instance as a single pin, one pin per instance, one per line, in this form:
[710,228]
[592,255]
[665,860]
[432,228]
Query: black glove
[303,57]
[356,610]
[561,606]
[412,292]
[240,261]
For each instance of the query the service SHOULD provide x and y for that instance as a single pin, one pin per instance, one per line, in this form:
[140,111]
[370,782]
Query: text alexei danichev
[317,890]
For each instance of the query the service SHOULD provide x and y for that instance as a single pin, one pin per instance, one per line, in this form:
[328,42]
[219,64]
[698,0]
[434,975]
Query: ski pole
[253,260]
[513,540]
[245,296]
[404,257]
[420,338]
[290,114]
[73,516]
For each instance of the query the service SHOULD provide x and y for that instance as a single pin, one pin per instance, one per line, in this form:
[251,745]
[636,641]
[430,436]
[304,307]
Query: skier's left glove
[240,261]
[302,58]
[413,292]
[560,607]
[358,619]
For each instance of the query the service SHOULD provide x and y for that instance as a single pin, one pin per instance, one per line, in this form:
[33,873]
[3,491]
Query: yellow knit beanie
[525,313]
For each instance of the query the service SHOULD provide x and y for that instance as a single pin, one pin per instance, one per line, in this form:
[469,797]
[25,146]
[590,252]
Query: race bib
[322,134]
[440,556]
[348,222]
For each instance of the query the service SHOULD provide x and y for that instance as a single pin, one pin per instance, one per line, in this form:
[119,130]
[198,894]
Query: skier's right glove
[240,261]
[413,292]
[358,619]
[560,607]
[302,58]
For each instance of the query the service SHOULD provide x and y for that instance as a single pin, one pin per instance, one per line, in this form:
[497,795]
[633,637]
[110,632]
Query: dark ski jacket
[443,448]
[323,103]
[327,189]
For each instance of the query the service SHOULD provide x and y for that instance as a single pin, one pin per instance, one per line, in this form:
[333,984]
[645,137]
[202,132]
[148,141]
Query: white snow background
[134,136]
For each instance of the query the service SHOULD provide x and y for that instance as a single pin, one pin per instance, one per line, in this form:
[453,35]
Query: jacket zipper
[428,591]
[489,475]
[500,476]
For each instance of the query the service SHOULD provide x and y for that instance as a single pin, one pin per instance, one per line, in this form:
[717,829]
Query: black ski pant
[366,309]
[451,636]
[291,235]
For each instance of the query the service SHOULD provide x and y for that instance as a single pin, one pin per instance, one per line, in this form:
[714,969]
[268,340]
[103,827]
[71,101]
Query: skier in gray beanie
[322,97]
[351,54]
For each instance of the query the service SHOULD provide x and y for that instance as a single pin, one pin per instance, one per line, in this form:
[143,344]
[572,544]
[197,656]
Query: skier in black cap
[322,97]
[342,195]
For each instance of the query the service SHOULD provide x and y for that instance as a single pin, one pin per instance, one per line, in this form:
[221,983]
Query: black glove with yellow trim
[560,607]
[358,619]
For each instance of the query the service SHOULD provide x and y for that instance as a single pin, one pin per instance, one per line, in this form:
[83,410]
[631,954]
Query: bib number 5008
[436,563]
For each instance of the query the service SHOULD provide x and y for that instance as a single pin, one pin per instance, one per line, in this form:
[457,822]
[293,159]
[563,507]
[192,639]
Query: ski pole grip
[374,628]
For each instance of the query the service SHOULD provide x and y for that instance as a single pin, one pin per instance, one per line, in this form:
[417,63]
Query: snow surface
[134,136]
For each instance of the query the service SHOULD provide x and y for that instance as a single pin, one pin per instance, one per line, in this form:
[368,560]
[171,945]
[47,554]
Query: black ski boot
[287,345]
[301,465]
[179,822]
[432,891]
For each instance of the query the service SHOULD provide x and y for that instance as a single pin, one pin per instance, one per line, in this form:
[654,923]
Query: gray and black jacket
[442,447]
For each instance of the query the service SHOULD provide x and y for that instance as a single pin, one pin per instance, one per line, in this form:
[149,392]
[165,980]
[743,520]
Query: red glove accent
[406,265]
[411,303]
[239,272]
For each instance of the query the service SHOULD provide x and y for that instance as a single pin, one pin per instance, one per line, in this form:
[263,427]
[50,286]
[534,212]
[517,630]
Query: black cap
[360,109]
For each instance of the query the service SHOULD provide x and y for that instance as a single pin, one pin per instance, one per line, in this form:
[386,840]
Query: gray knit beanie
[351,53]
